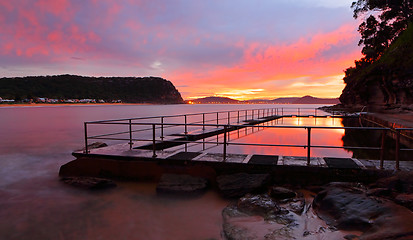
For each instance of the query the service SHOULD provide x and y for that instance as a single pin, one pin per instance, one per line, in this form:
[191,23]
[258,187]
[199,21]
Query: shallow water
[36,141]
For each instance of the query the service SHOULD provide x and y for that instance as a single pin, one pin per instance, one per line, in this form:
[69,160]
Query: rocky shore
[260,209]
[382,210]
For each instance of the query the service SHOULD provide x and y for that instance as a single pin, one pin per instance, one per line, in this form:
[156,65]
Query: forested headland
[383,77]
[108,89]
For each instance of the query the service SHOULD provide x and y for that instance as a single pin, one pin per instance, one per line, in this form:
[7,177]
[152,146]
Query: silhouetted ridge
[127,89]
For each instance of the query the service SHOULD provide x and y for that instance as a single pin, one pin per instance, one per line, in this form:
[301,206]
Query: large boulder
[398,188]
[257,217]
[261,205]
[405,200]
[281,193]
[401,182]
[349,208]
[181,184]
[239,184]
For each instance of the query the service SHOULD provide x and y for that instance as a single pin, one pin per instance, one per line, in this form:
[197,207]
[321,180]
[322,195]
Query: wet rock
[405,200]
[281,193]
[401,182]
[351,237]
[351,209]
[89,182]
[261,205]
[379,192]
[233,232]
[346,210]
[296,204]
[239,184]
[283,233]
[181,184]
[261,211]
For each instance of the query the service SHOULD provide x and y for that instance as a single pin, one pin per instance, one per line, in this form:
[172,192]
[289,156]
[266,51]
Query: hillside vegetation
[387,82]
[127,89]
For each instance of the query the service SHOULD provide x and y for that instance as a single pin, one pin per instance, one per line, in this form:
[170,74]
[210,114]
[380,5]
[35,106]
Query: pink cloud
[36,50]
[57,7]
[55,36]
[8,5]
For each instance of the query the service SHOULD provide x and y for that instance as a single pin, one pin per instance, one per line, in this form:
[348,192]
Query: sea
[34,204]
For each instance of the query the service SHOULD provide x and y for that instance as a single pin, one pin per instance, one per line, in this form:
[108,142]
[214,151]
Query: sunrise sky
[241,49]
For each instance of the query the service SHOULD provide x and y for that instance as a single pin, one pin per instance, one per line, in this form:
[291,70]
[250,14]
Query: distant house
[6,100]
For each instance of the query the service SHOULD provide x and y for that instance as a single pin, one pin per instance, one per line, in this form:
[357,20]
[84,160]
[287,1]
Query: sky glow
[241,49]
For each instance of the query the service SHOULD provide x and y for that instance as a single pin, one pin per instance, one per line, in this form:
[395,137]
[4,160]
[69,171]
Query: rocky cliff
[386,83]
[127,89]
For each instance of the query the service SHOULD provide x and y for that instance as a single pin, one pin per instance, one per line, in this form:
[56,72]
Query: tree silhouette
[384,21]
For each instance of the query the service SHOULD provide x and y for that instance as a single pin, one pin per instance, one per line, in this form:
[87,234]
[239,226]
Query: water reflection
[370,138]
[295,138]
[324,142]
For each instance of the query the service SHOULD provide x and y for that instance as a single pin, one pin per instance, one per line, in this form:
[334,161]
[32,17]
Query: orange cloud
[264,63]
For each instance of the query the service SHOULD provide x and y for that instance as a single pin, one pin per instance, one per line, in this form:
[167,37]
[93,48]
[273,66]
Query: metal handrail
[276,110]
[229,127]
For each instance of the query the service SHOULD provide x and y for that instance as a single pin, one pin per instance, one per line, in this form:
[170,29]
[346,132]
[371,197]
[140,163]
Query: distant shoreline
[66,104]
[5,105]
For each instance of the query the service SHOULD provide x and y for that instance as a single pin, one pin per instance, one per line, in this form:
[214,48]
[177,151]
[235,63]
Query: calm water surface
[36,141]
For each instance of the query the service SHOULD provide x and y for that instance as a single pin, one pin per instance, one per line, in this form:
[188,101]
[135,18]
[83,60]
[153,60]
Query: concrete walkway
[122,152]
[405,120]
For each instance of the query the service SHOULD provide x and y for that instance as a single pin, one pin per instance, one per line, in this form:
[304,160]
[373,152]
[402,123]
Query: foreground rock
[402,182]
[348,207]
[398,188]
[248,217]
[181,184]
[260,216]
[239,184]
[89,183]
[281,193]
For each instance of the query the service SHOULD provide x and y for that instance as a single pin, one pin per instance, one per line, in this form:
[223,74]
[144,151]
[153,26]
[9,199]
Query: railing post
[397,148]
[252,114]
[238,117]
[153,141]
[225,144]
[246,115]
[383,136]
[315,112]
[203,121]
[130,134]
[217,118]
[162,137]
[86,145]
[229,117]
[186,127]
[308,146]
[282,111]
